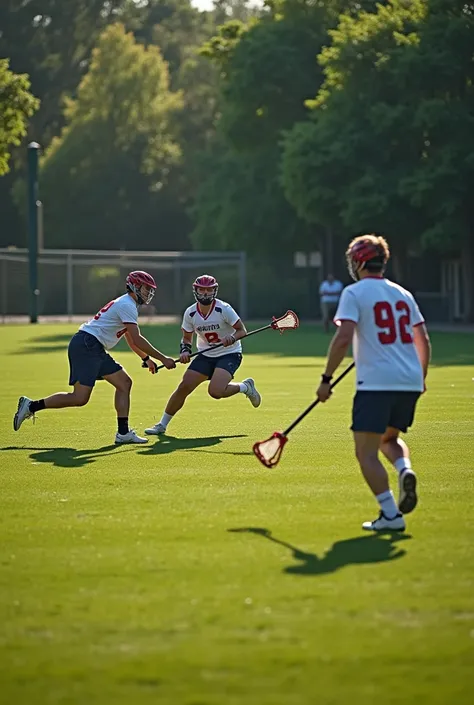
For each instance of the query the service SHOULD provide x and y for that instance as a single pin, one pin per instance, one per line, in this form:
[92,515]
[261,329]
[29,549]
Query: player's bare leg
[367,449]
[123,387]
[191,380]
[396,451]
[221,387]
[27,408]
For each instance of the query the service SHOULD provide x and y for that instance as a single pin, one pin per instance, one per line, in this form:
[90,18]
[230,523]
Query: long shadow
[70,457]
[373,548]
[168,444]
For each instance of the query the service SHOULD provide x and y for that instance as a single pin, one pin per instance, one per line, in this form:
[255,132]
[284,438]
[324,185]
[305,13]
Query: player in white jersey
[391,351]
[213,321]
[89,360]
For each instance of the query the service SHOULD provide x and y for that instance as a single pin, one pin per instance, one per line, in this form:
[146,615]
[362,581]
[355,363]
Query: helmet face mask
[142,285]
[205,281]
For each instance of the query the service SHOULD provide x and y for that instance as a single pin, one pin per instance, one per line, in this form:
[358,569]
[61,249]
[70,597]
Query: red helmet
[363,251]
[205,281]
[143,286]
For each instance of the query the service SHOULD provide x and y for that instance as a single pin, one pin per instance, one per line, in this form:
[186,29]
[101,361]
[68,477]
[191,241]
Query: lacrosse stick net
[269,451]
[289,321]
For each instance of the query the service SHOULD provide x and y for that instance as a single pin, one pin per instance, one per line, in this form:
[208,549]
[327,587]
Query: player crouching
[214,321]
[90,361]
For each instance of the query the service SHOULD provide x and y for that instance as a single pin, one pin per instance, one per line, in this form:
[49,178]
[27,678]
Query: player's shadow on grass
[168,444]
[373,548]
[71,457]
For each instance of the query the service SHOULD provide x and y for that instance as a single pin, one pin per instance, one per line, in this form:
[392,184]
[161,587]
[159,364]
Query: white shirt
[210,329]
[383,348]
[330,291]
[108,324]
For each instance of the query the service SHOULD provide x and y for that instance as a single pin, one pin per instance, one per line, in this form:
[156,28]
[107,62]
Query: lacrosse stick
[269,451]
[289,321]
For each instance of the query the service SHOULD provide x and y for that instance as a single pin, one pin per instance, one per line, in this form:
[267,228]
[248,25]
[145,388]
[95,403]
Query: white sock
[165,419]
[243,387]
[387,504]
[402,464]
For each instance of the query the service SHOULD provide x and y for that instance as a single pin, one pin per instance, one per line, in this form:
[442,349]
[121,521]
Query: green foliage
[101,178]
[17,104]
[390,143]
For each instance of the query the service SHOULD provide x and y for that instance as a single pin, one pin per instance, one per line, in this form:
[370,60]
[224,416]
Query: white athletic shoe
[382,523]
[252,394]
[22,413]
[155,430]
[407,499]
[130,437]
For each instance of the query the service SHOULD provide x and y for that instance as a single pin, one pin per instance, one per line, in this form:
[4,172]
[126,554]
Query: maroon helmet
[205,281]
[367,253]
[142,285]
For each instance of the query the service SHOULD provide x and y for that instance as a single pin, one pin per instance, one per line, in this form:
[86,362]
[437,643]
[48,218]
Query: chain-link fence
[79,282]
[76,282]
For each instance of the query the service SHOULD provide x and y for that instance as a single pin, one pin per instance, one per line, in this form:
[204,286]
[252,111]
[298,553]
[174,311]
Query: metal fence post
[243,285]
[4,288]
[33,152]
[70,283]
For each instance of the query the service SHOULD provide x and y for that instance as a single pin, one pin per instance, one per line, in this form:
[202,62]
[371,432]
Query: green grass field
[184,573]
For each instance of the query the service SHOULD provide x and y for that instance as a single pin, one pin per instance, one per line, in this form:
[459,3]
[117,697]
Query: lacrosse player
[213,321]
[391,351]
[89,360]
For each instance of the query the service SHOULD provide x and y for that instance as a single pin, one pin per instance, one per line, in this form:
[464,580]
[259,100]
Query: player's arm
[339,346]
[240,332]
[144,348]
[186,346]
[423,346]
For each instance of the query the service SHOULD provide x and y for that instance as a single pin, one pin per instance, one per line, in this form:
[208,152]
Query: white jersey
[384,352]
[108,324]
[210,329]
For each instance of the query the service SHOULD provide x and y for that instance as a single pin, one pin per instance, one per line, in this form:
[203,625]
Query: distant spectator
[329,292]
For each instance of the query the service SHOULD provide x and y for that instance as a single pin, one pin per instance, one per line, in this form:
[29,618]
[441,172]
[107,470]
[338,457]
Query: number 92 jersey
[384,352]
[210,329]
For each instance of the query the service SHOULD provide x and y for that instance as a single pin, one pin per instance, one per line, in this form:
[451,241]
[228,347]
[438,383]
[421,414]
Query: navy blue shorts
[373,412]
[206,365]
[88,360]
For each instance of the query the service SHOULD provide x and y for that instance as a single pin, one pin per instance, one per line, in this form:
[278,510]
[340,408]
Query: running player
[213,321]
[391,351]
[89,360]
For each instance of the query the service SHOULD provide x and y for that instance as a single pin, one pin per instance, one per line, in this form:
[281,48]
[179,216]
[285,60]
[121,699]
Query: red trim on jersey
[415,325]
[209,312]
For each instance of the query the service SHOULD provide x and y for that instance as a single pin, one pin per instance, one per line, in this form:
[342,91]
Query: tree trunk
[468,278]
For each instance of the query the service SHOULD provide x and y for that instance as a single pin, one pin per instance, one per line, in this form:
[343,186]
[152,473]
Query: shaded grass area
[307,341]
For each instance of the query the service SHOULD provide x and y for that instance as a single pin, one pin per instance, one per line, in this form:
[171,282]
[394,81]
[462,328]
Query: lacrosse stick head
[289,321]
[269,451]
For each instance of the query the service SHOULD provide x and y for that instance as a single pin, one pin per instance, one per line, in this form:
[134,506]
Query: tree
[268,69]
[17,105]
[104,181]
[390,143]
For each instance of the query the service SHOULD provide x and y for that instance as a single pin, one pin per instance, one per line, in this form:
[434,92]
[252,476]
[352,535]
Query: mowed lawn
[185,573]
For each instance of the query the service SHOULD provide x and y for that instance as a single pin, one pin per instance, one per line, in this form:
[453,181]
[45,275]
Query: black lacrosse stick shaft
[219,345]
[316,401]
